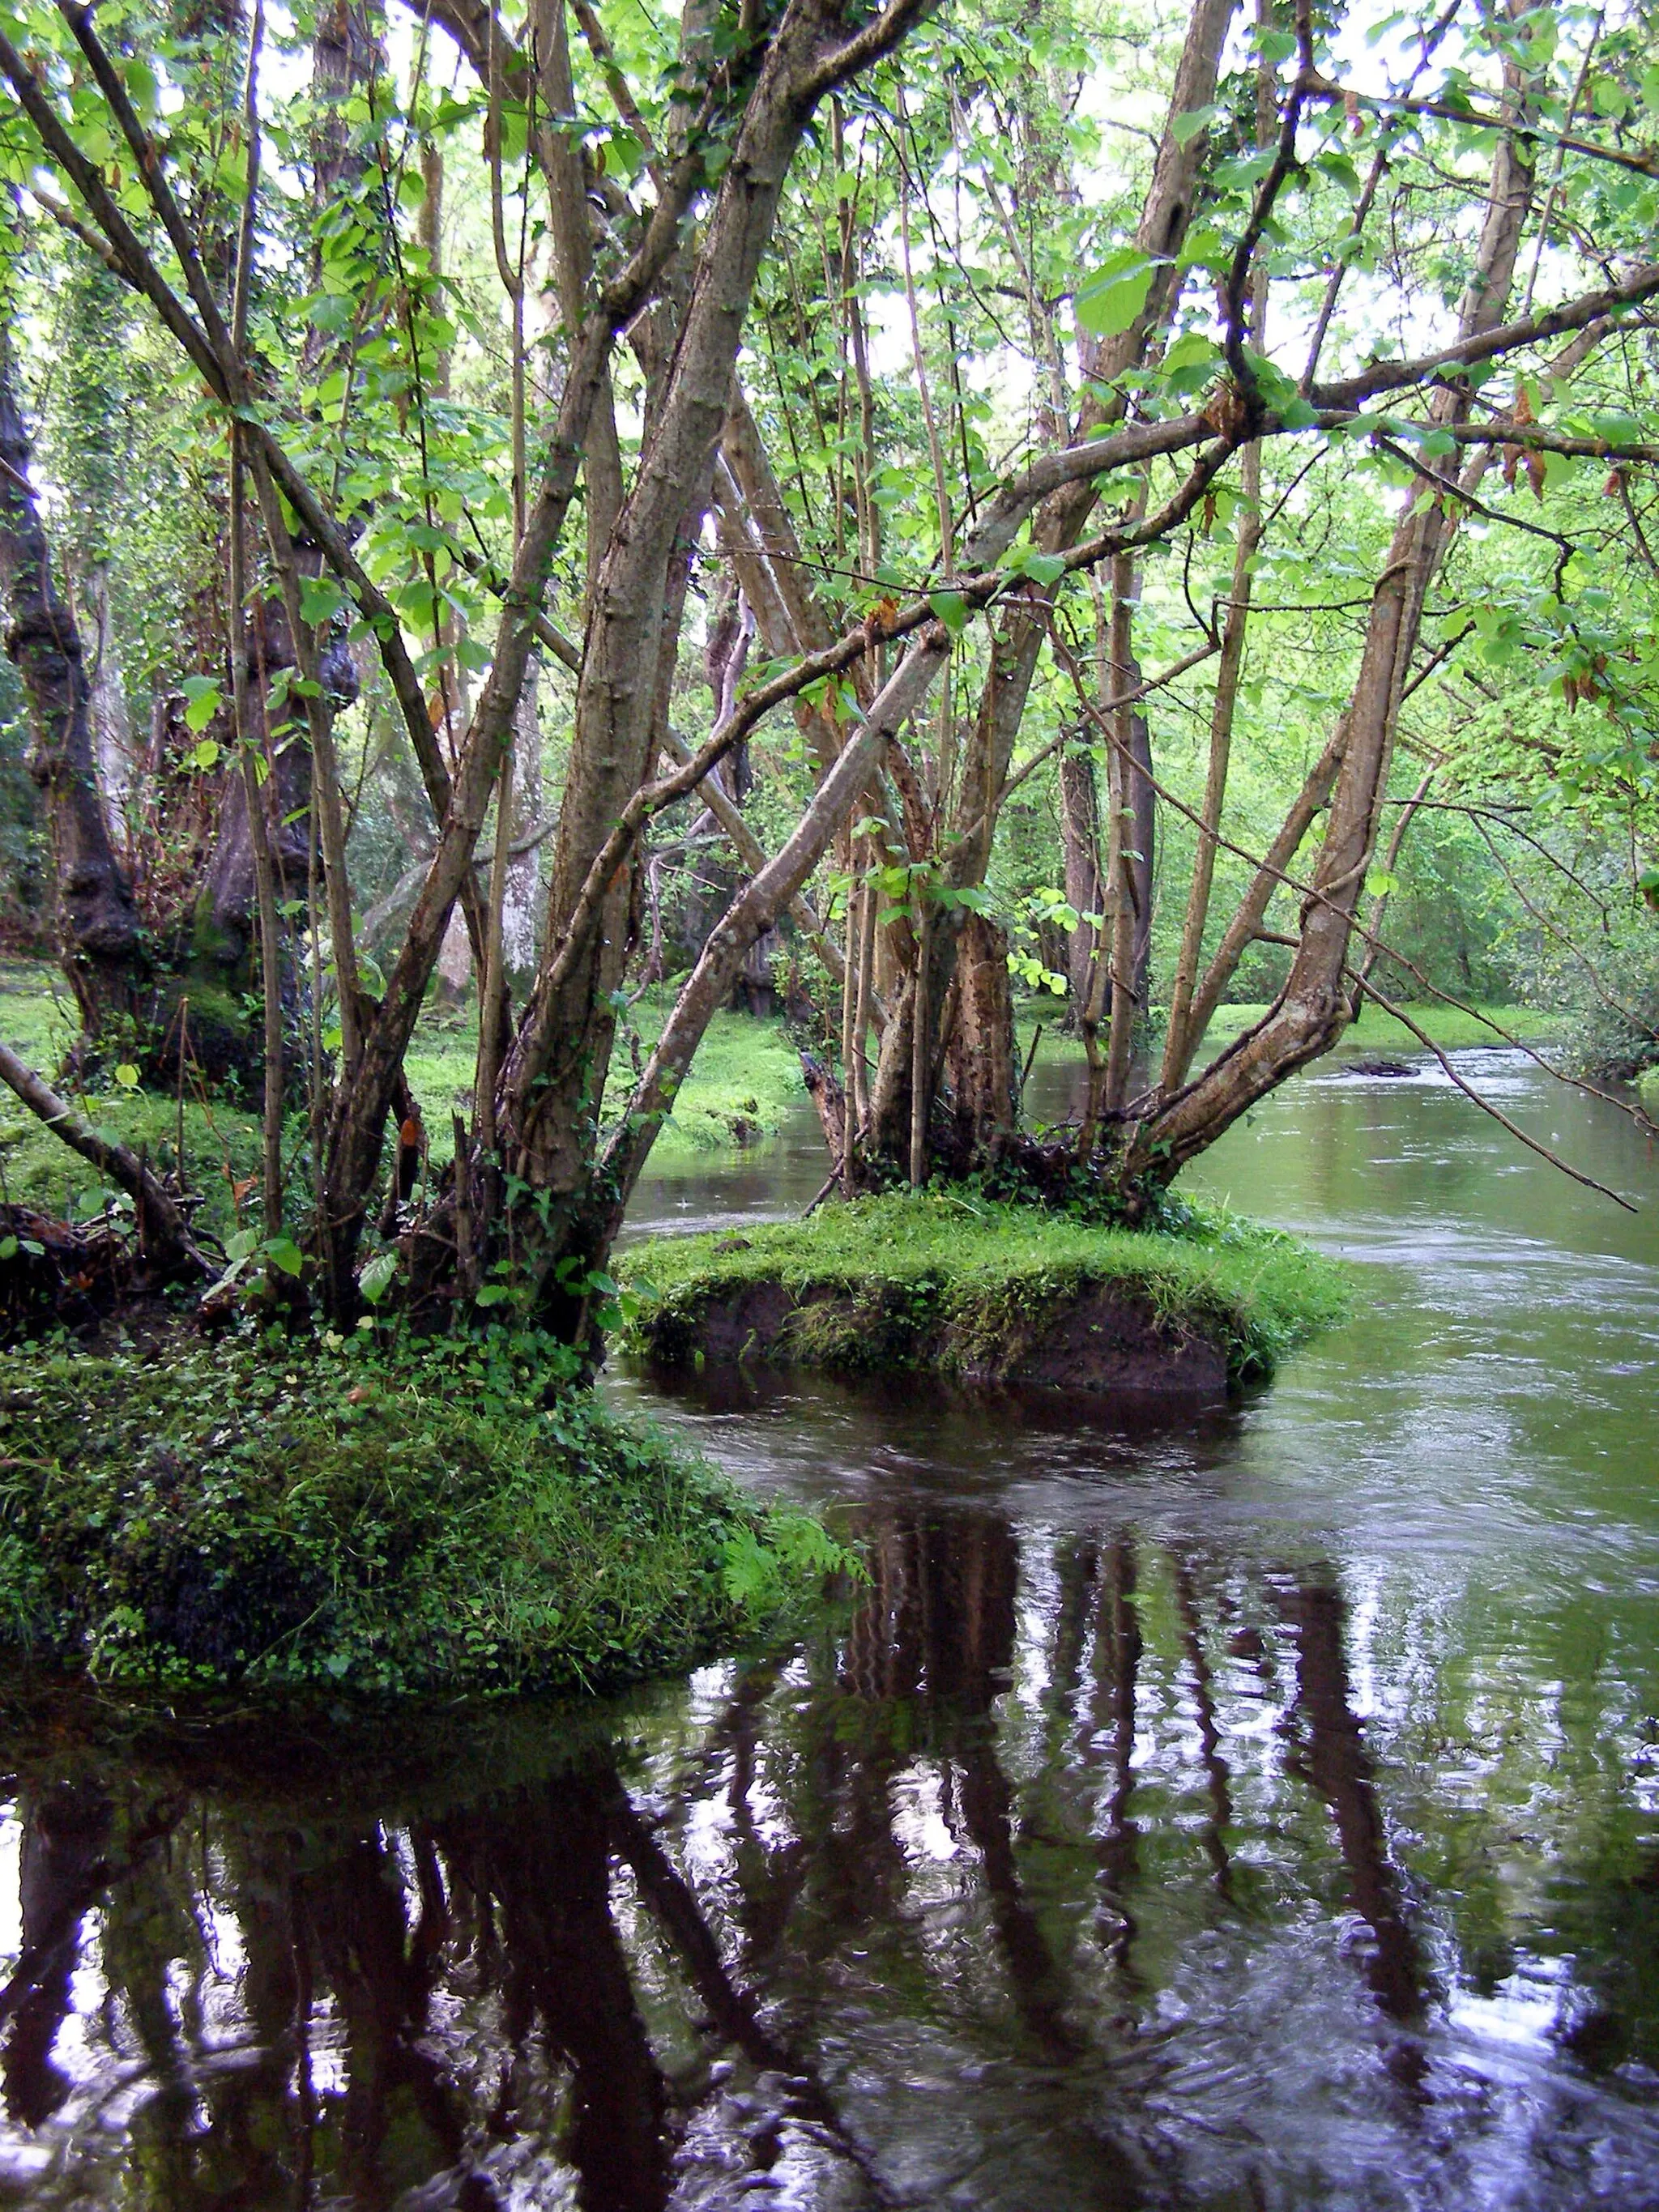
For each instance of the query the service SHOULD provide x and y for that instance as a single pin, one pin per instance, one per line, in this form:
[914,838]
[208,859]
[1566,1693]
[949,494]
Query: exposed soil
[1095,1340]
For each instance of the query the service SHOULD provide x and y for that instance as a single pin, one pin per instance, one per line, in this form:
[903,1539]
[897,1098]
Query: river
[1254,1807]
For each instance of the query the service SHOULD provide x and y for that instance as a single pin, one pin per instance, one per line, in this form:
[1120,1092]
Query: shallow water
[1253,1807]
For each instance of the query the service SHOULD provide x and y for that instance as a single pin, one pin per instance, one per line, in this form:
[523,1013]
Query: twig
[1533,1143]
[828,1185]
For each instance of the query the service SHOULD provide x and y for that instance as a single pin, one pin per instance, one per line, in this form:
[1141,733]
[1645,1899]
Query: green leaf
[493,1294]
[952,609]
[1108,303]
[8,1248]
[202,700]
[376,1279]
[320,597]
[1185,128]
[127,1076]
[1044,568]
[1192,349]
[285,1254]
[206,755]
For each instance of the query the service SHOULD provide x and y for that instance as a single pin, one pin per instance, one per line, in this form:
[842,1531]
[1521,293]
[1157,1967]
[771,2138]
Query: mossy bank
[335,1514]
[987,1293]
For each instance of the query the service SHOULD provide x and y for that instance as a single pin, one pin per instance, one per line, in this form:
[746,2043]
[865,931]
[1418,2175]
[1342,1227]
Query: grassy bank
[1452,1029]
[339,1513]
[745,1079]
[934,1279]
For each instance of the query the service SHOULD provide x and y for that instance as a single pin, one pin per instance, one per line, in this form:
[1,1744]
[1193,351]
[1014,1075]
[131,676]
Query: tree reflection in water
[1062,1874]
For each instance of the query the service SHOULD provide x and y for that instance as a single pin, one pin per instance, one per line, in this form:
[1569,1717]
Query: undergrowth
[919,1263]
[744,1081]
[374,1515]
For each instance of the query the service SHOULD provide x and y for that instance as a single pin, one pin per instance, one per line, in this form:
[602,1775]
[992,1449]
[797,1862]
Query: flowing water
[1256,1806]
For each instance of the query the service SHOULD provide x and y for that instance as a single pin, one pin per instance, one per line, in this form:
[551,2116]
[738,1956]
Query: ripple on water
[1257,1808]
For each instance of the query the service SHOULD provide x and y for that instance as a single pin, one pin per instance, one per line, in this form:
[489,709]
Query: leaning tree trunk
[1017,645]
[97,925]
[1318,1000]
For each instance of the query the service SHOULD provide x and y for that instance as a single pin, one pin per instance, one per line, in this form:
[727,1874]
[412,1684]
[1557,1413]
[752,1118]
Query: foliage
[955,281]
[942,1260]
[370,1513]
[746,1078]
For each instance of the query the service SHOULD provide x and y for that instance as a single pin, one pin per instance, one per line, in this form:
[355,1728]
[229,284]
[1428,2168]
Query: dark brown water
[1258,1809]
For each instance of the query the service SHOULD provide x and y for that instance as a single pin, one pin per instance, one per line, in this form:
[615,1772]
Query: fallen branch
[163,1231]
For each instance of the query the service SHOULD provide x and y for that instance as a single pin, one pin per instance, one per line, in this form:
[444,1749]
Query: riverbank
[939,1281]
[335,1514]
[1449,1027]
[744,1084]
[745,1081]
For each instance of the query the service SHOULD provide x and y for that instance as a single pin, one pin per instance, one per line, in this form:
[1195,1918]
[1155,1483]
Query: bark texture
[98,931]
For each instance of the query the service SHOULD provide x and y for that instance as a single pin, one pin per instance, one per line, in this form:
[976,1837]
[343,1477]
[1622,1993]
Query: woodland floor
[745,1081]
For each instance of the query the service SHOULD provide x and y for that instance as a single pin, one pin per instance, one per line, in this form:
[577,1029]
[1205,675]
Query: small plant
[369,1511]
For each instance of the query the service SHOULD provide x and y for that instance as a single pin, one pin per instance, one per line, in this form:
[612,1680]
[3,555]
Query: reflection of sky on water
[1257,1808]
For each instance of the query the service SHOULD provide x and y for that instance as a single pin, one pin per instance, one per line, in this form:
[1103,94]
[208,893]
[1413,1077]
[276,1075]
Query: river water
[1247,1806]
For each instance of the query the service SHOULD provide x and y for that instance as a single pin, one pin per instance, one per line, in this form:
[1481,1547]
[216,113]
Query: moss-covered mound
[335,1515]
[989,1292]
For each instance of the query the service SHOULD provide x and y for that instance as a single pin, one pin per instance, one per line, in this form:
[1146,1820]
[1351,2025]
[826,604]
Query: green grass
[1375,1031]
[282,1513]
[745,1079]
[950,1263]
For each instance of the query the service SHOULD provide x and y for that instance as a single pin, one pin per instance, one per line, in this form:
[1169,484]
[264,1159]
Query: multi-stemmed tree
[707,223]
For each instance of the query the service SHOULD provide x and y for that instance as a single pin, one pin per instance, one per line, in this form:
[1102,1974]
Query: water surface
[1257,1807]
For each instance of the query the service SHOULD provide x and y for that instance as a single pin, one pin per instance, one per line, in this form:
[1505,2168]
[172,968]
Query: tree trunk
[1316,1004]
[112,724]
[980,1059]
[1079,830]
[1016,642]
[97,925]
[524,869]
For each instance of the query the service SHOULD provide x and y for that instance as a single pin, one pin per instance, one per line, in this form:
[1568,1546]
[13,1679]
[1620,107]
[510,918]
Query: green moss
[742,1085]
[328,1512]
[38,1014]
[923,1266]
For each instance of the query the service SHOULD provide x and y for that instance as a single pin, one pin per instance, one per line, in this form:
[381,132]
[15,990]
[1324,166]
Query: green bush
[385,1518]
